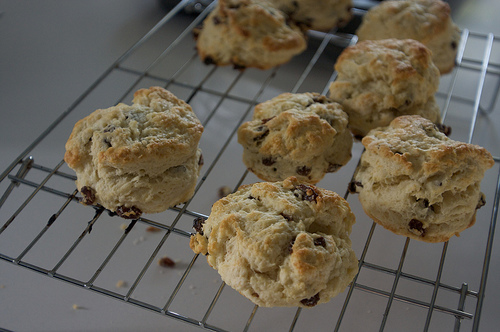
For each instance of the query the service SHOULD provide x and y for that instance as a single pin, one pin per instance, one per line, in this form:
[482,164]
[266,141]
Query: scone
[280,243]
[248,33]
[417,182]
[428,21]
[317,15]
[379,80]
[303,135]
[142,158]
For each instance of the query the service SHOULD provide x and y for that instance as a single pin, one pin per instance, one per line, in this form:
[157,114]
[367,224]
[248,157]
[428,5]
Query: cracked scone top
[248,33]
[417,182]
[138,158]
[303,135]
[317,15]
[280,243]
[428,21]
[379,80]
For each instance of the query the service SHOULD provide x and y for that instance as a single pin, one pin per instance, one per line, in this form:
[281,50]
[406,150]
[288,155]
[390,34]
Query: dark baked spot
[320,241]
[268,161]
[88,195]
[128,212]
[416,225]
[107,142]
[311,302]
[358,137]
[407,102]
[286,216]
[353,186]
[198,224]
[307,193]
[321,99]
[216,20]
[290,246]
[109,129]
[303,170]
[238,66]
[454,45]
[333,168]
[208,60]
[264,121]
[481,202]
[444,129]
[255,295]
[265,132]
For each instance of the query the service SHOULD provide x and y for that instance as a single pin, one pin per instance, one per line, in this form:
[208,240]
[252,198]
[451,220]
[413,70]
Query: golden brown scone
[317,15]
[138,158]
[280,244]
[428,21]
[379,80]
[303,135]
[248,33]
[417,182]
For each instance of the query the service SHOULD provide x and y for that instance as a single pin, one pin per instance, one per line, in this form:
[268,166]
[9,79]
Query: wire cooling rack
[402,284]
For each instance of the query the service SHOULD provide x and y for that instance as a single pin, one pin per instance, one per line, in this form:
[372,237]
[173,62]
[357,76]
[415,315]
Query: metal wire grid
[16,175]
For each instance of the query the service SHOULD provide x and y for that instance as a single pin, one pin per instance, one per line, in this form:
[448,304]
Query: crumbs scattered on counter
[2,286]
[166,262]
[121,284]
[152,229]
[224,191]
[123,226]
[77,307]
[139,240]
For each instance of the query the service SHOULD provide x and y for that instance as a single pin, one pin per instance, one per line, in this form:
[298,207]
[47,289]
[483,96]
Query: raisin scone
[379,80]
[280,243]
[248,33]
[417,182]
[139,158]
[317,15]
[302,134]
[428,21]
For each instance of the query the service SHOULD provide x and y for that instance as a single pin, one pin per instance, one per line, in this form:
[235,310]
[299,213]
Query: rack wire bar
[26,165]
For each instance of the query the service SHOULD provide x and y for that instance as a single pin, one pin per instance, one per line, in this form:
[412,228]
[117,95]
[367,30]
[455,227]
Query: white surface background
[50,52]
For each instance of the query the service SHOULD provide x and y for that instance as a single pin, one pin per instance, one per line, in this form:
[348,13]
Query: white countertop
[50,52]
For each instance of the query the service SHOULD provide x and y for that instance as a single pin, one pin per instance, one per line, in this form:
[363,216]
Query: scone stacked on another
[379,80]
[142,158]
[280,243]
[428,21]
[303,135]
[317,15]
[417,182]
[248,33]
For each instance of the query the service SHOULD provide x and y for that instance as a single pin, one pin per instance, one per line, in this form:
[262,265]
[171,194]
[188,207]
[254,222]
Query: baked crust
[138,155]
[417,182]
[428,21]
[280,244]
[248,33]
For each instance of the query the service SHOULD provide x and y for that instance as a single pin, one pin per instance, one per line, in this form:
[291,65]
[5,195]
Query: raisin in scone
[280,243]
[428,21]
[139,158]
[248,33]
[303,135]
[417,182]
[317,15]
[379,80]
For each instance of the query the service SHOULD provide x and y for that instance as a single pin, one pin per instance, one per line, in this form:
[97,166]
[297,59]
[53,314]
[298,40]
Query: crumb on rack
[152,229]
[121,284]
[123,226]
[166,262]
[224,191]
